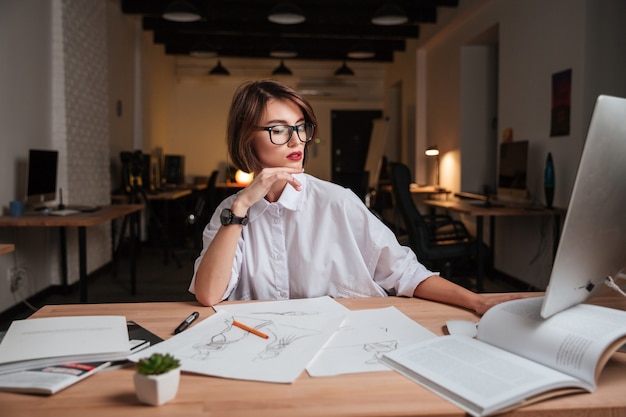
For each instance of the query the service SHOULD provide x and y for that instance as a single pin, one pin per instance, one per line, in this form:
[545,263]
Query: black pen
[182,326]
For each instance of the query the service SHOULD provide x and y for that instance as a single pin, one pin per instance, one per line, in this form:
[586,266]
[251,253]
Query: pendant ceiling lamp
[283,50]
[181,11]
[390,14]
[361,50]
[219,69]
[344,70]
[286,13]
[203,49]
[282,70]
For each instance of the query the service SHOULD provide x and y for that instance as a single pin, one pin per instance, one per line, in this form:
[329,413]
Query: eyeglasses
[281,134]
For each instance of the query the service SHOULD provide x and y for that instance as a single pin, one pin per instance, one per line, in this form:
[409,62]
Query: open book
[517,358]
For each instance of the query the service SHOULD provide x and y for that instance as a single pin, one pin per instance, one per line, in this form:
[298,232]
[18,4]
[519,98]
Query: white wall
[54,83]
[537,38]
[25,122]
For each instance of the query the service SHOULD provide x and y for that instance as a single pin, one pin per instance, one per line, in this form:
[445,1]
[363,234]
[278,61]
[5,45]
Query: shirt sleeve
[395,267]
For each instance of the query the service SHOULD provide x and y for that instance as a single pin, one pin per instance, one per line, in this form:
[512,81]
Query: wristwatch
[228,217]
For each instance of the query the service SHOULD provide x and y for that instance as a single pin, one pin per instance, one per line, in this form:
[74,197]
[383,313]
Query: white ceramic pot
[157,389]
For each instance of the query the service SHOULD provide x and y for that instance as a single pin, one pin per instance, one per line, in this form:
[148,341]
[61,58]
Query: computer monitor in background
[174,167]
[512,171]
[42,177]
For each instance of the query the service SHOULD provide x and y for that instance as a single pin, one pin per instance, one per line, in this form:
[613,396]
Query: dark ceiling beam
[268,42]
[331,11]
[315,55]
[302,30]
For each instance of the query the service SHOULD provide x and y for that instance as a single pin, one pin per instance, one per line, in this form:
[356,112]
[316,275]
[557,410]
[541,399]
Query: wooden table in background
[81,221]
[480,210]
[6,248]
[385,393]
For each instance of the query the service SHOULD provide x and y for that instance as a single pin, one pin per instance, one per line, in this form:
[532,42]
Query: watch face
[226,217]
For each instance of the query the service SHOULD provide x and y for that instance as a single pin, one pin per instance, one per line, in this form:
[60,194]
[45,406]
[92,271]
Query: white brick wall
[80,117]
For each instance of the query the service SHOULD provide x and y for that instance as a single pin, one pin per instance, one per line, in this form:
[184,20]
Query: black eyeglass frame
[269,129]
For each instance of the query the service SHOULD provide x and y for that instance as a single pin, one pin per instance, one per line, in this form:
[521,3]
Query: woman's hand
[268,182]
[487,302]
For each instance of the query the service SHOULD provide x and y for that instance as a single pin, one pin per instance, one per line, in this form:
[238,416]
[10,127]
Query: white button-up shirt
[319,241]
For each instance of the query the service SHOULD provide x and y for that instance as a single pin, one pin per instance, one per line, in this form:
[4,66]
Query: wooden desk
[229,185]
[6,248]
[80,221]
[384,393]
[479,210]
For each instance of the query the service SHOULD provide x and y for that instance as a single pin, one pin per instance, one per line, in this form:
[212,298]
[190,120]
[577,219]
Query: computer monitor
[512,170]
[42,176]
[174,167]
[593,242]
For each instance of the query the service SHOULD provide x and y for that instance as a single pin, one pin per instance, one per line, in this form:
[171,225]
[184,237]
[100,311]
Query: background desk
[161,217]
[480,211]
[80,221]
[369,394]
[6,248]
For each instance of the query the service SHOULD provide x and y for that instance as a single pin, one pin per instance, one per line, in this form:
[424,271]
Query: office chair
[206,204]
[438,240]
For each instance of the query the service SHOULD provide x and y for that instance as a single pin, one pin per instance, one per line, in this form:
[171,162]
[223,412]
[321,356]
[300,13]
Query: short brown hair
[246,110]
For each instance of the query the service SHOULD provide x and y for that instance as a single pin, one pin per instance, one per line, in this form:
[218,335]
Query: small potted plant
[156,378]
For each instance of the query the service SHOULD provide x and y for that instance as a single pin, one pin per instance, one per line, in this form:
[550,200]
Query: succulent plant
[157,364]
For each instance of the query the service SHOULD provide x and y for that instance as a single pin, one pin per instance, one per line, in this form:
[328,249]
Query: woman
[291,235]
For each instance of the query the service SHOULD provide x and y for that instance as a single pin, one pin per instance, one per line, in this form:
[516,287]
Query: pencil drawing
[281,336]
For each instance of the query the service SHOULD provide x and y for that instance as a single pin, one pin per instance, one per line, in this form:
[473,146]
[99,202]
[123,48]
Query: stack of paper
[42,342]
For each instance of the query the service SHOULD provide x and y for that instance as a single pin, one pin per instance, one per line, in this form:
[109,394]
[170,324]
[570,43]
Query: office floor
[156,281]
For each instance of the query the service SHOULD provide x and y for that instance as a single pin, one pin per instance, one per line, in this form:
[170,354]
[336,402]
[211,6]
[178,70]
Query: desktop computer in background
[513,172]
[174,169]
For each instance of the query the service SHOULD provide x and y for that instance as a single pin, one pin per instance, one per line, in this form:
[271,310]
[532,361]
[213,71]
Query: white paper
[363,337]
[297,330]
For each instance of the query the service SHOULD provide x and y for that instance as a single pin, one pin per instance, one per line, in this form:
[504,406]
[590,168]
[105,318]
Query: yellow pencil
[250,329]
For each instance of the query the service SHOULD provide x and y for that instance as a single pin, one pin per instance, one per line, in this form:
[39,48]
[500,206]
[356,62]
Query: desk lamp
[243,178]
[434,151]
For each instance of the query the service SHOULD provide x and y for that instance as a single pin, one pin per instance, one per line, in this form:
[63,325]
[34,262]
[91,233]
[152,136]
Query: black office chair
[206,203]
[439,241]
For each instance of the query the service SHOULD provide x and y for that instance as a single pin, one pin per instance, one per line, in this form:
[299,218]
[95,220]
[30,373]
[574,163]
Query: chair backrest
[414,222]
[211,198]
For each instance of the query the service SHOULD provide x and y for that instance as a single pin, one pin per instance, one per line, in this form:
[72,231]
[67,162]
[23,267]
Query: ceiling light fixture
[390,14]
[181,11]
[219,69]
[283,50]
[361,51]
[202,49]
[344,70]
[286,13]
[282,70]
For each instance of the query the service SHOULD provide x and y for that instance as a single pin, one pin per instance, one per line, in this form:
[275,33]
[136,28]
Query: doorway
[350,133]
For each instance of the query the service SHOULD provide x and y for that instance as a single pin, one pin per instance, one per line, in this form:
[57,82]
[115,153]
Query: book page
[474,375]
[571,341]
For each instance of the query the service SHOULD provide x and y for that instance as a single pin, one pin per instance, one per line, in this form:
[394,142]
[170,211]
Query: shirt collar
[291,199]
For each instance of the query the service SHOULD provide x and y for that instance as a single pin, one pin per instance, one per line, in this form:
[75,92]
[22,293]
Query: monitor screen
[174,169]
[512,170]
[42,176]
